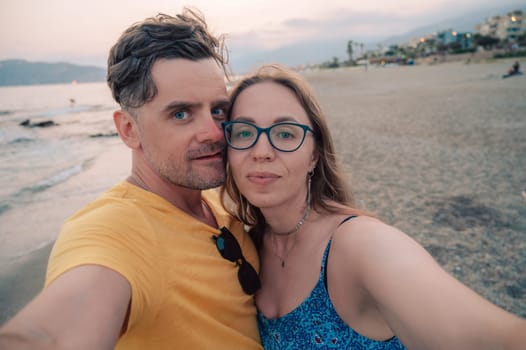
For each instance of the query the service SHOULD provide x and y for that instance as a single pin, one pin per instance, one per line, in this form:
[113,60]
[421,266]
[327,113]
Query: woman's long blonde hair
[329,190]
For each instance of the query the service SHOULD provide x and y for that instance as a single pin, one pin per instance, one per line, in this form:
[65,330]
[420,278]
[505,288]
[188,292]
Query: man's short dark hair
[131,59]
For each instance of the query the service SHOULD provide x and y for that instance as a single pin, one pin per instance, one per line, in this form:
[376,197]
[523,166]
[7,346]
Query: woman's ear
[127,127]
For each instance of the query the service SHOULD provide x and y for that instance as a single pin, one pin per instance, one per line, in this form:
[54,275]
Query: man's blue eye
[180,115]
[218,112]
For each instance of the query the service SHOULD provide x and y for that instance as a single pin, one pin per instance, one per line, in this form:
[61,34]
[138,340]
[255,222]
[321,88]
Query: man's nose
[210,130]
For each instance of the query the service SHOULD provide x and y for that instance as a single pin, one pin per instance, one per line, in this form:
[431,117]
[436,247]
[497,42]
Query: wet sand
[436,150]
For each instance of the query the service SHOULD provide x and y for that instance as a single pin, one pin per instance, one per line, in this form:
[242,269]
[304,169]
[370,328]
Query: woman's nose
[263,149]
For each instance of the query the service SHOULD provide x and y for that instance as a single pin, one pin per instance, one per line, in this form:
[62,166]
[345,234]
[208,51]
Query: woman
[333,276]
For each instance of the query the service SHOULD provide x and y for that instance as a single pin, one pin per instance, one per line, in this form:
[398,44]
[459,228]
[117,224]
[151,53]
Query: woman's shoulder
[354,226]
[366,237]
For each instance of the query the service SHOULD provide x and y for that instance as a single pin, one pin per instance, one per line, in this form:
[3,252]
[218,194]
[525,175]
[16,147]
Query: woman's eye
[285,135]
[243,134]
[180,115]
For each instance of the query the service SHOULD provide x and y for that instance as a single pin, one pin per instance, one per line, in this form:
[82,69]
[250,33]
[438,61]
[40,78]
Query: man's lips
[208,152]
[209,156]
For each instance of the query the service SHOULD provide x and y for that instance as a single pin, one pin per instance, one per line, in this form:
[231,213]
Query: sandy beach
[435,150]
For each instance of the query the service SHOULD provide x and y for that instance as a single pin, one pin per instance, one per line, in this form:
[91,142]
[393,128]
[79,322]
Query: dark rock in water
[20,140]
[4,208]
[110,134]
[43,124]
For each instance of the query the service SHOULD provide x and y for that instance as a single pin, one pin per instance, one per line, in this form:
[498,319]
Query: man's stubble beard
[187,177]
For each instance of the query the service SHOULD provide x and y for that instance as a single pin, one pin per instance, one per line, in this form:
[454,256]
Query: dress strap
[326,253]
[347,219]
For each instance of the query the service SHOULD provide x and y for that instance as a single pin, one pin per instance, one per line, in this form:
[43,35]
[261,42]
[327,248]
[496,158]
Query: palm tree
[350,51]
[361,49]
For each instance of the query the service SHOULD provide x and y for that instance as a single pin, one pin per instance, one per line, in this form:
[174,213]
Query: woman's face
[266,176]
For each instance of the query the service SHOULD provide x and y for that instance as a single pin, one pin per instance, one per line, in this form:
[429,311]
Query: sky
[82,32]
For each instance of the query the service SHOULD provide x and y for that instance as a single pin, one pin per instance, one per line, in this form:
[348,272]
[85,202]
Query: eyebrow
[277,120]
[188,105]
[179,105]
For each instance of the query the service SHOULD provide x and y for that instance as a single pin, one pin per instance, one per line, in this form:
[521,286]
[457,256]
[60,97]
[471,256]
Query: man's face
[179,130]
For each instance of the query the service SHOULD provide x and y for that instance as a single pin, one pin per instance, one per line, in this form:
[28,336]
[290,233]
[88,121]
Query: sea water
[36,161]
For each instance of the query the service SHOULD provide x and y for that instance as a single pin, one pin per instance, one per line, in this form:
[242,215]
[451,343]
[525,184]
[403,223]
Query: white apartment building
[508,27]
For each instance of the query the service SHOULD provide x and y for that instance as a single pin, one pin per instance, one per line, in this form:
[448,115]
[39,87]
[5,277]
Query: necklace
[297,227]
[275,250]
[294,230]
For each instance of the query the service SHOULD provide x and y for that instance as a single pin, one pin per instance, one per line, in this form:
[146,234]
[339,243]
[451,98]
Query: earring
[309,183]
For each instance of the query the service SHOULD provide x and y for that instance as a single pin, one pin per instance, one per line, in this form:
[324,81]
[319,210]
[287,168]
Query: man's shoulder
[111,204]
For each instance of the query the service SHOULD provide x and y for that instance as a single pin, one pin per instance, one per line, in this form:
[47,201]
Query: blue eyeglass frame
[226,124]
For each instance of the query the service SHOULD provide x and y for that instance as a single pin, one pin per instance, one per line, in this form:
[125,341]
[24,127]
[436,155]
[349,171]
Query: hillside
[21,72]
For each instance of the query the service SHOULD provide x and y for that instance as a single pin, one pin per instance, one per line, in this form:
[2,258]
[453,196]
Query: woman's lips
[262,178]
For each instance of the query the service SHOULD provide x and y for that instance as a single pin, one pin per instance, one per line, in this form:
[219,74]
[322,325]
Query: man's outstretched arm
[84,308]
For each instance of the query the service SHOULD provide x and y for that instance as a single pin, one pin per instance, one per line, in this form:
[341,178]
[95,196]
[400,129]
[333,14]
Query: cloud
[359,26]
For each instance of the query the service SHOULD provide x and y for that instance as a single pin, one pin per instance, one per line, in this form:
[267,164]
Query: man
[145,266]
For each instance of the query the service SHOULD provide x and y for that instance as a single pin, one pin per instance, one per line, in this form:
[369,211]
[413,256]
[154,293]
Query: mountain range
[21,72]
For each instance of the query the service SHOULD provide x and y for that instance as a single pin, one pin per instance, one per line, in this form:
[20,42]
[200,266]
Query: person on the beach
[333,276]
[514,70]
[154,263]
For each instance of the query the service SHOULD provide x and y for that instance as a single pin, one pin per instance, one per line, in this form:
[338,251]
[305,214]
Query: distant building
[448,37]
[507,27]
[489,27]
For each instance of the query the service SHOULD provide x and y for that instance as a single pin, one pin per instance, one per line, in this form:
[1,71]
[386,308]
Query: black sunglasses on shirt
[229,249]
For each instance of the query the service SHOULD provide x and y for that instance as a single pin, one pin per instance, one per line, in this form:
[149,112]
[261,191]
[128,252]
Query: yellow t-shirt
[184,294]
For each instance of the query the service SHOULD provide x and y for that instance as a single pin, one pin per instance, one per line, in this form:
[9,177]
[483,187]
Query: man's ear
[127,128]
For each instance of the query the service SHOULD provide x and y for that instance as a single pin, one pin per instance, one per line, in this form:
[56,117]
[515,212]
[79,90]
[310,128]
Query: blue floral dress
[314,324]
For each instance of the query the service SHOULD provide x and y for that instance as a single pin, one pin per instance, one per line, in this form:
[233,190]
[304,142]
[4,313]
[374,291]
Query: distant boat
[73,82]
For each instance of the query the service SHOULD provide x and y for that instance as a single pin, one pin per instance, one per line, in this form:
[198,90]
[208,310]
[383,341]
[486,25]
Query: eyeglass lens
[283,136]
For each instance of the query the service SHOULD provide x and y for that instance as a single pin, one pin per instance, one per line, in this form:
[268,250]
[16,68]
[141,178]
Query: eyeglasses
[284,136]
[229,249]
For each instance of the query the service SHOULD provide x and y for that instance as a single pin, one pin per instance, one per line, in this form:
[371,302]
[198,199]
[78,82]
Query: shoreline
[22,279]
